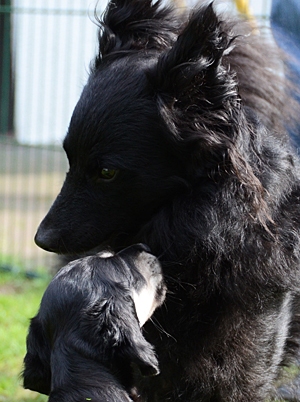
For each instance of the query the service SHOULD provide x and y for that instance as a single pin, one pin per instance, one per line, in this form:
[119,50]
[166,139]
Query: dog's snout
[46,240]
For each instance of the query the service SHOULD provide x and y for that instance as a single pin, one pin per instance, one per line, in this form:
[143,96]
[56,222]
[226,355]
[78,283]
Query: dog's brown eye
[108,174]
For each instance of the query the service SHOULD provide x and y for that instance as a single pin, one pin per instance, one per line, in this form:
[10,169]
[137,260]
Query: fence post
[6,73]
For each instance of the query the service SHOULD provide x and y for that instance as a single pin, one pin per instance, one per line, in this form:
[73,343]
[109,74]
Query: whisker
[161,329]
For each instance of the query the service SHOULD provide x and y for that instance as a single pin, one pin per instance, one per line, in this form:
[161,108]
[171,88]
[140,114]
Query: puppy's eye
[108,174]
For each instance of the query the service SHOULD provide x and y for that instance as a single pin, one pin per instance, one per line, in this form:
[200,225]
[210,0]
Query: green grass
[19,301]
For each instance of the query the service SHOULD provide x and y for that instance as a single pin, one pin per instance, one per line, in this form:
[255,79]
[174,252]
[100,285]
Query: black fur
[192,115]
[86,335]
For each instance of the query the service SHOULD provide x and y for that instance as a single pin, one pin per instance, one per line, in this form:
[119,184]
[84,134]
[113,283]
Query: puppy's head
[136,289]
[95,307]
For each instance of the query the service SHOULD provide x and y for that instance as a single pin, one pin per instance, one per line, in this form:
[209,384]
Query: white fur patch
[105,254]
[144,303]
[145,299]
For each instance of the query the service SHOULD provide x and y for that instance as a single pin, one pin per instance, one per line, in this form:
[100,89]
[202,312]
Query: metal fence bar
[6,82]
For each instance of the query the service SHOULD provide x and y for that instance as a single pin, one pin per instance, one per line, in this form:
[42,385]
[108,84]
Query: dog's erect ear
[37,372]
[190,77]
[198,99]
[135,25]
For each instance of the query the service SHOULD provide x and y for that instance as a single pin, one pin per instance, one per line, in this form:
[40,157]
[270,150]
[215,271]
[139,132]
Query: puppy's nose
[142,247]
[136,248]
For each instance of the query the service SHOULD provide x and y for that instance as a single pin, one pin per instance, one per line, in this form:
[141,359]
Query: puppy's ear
[139,351]
[37,372]
[190,77]
[135,25]
[127,340]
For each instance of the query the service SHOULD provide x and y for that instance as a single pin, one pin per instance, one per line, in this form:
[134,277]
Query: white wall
[260,7]
[52,55]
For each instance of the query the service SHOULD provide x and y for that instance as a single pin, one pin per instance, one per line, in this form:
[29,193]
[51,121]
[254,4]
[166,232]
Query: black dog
[86,336]
[180,141]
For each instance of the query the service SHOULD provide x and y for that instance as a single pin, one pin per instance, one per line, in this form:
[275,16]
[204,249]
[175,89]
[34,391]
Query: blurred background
[45,50]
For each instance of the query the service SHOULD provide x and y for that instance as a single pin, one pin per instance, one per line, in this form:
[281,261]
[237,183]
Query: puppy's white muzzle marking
[105,254]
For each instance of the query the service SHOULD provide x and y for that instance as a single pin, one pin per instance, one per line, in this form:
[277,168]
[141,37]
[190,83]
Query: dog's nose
[45,240]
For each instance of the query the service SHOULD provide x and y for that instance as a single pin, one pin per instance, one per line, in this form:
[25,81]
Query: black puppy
[179,140]
[82,343]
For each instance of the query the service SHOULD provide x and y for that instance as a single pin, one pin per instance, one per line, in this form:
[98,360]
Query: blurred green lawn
[19,301]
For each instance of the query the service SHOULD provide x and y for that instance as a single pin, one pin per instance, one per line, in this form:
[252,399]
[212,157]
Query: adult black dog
[86,335]
[179,140]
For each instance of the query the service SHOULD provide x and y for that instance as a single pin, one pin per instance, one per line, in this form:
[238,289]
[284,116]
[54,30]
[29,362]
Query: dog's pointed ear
[197,93]
[191,75]
[135,25]
[37,371]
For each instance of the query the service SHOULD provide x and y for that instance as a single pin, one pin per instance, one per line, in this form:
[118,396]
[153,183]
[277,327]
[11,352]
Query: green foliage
[19,301]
